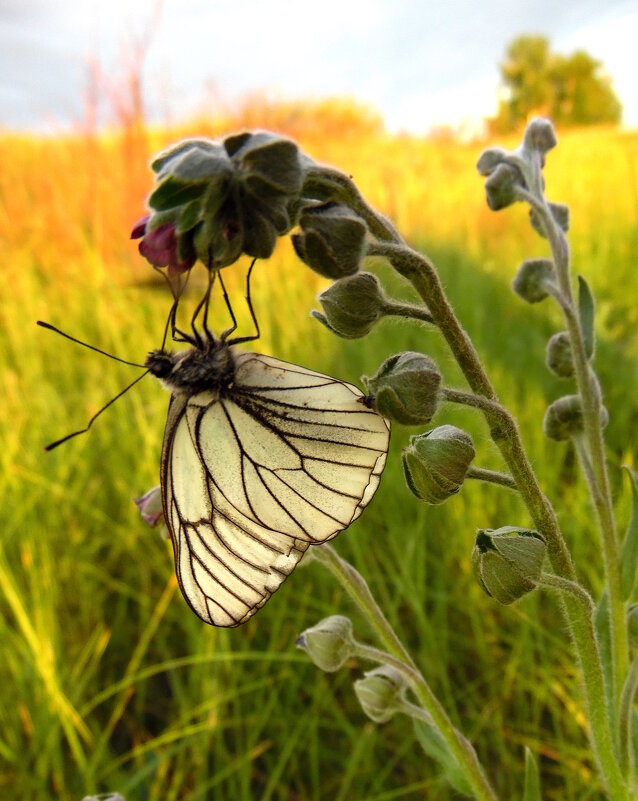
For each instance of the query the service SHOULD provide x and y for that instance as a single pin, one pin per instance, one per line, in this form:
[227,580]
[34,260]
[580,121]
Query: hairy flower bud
[560,213]
[405,388]
[502,185]
[435,463]
[558,355]
[540,135]
[330,643]
[380,693]
[564,418]
[150,506]
[332,239]
[533,279]
[352,306]
[507,561]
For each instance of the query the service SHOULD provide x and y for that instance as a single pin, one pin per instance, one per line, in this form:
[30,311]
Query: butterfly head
[193,370]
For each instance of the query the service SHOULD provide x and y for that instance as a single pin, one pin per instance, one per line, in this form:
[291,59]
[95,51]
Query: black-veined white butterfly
[261,459]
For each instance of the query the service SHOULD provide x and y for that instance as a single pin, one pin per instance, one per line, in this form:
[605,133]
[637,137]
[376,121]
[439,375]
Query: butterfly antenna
[250,309]
[50,327]
[55,444]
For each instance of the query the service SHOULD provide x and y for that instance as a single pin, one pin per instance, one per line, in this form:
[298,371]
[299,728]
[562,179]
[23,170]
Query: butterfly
[260,460]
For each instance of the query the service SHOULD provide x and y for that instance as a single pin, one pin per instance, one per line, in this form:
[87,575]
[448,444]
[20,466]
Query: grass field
[107,680]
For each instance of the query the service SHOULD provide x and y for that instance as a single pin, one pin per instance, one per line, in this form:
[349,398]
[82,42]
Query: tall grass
[107,680]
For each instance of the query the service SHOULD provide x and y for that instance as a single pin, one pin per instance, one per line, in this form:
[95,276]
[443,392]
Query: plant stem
[409,310]
[504,431]
[491,476]
[358,590]
[624,716]
[597,476]
[565,585]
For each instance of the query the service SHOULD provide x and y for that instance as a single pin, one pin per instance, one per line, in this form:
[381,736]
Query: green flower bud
[352,305]
[490,159]
[330,643]
[564,418]
[558,356]
[560,213]
[507,561]
[632,624]
[533,279]
[540,135]
[332,240]
[502,185]
[435,463]
[405,388]
[380,693]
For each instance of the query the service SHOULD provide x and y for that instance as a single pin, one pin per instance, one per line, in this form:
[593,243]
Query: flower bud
[560,213]
[558,355]
[380,693]
[435,463]
[332,240]
[564,418]
[352,305]
[330,643]
[533,279]
[507,561]
[540,135]
[632,624]
[502,185]
[490,159]
[405,388]
[150,506]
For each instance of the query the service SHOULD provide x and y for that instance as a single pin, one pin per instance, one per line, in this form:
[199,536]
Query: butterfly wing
[288,458]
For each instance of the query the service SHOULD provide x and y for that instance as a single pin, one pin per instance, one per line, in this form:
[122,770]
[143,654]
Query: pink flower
[160,247]
[150,506]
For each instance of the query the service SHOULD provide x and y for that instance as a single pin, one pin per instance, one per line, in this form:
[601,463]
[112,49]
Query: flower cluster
[214,201]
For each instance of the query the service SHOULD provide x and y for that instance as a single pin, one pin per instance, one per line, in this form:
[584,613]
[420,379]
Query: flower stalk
[356,587]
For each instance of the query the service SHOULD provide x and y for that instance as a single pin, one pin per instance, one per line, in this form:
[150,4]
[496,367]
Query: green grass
[109,682]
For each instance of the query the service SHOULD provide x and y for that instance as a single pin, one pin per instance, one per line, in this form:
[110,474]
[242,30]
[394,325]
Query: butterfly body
[261,459]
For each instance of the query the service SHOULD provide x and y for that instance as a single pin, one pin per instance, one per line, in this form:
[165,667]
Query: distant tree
[572,90]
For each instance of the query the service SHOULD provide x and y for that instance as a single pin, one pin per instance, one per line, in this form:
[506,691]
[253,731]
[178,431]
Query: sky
[419,63]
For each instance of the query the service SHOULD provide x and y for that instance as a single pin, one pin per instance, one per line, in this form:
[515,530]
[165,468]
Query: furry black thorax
[195,369]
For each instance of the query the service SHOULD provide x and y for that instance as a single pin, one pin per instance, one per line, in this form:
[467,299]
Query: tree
[572,90]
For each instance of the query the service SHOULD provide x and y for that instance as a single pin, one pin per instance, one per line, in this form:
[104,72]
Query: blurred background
[108,682]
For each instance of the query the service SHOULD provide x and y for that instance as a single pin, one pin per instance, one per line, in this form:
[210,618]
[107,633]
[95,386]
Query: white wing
[288,458]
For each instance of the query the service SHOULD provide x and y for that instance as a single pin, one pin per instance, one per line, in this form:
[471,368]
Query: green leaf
[586,314]
[532,790]
[629,556]
[435,746]
[171,193]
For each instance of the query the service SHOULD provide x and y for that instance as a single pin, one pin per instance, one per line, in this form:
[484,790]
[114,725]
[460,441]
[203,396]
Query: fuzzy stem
[408,310]
[504,430]
[624,716]
[491,477]
[358,590]
[597,476]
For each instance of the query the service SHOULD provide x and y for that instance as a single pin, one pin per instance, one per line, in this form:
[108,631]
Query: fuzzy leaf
[586,314]
[532,790]
[435,747]
[629,557]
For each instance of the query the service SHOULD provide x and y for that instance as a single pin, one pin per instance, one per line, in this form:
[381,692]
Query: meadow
[107,680]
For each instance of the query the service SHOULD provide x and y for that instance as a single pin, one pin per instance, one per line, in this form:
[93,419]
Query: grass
[108,681]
